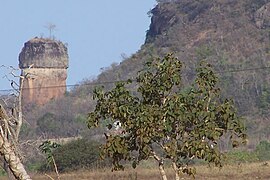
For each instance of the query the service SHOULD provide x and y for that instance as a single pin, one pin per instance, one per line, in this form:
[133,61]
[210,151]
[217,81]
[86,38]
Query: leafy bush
[264,100]
[263,151]
[241,157]
[54,124]
[47,123]
[76,155]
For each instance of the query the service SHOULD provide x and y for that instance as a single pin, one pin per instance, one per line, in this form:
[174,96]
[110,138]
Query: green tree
[164,121]
[47,148]
[48,124]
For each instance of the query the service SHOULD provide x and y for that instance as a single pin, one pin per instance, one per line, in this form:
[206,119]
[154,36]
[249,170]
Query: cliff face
[44,64]
[228,34]
[169,13]
[194,15]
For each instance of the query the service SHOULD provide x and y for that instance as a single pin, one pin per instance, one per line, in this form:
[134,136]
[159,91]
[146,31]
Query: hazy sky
[97,31]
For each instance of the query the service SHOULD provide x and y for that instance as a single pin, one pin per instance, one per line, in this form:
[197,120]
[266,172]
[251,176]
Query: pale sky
[97,32]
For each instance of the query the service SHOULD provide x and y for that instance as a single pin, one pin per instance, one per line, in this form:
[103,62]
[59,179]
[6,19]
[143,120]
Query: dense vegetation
[79,154]
[89,159]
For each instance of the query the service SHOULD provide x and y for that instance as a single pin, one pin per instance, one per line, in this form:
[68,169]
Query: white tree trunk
[9,134]
[7,148]
[177,177]
[160,166]
[162,172]
[13,160]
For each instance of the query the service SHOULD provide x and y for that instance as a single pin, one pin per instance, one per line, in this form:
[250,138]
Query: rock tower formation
[43,63]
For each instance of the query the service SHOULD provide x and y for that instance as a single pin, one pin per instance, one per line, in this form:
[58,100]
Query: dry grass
[243,171]
[250,171]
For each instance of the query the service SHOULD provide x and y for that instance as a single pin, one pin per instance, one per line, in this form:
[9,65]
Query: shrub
[263,151]
[241,157]
[76,155]
[47,123]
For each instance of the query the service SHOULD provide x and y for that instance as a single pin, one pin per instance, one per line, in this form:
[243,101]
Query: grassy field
[246,171]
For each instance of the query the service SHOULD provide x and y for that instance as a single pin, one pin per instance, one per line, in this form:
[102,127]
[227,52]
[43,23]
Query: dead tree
[10,124]
[8,147]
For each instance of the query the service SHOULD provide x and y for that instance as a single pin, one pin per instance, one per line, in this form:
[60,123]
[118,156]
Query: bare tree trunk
[162,171]
[55,167]
[13,160]
[177,177]
[160,166]
[20,115]
[7,170]
[7,149]
[9,133]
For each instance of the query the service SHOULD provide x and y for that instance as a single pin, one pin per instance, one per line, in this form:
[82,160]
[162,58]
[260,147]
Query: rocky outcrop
[43,53]
[168,13]
[163,17]
[44,64]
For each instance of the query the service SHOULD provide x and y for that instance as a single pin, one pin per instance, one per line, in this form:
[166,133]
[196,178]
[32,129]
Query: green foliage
[76,155]
[26,130]
[81,119]
[183,124]
[263,151]
[35,166]
[61,120]
[241,157]
[204,52]
[264,101]
[47,148]
[48,124]
[2,172]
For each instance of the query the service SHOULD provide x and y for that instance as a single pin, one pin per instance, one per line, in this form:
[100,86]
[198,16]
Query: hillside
[228,34]
[232,35]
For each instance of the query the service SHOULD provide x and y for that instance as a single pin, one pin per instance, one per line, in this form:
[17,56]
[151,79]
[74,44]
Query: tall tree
[166,121]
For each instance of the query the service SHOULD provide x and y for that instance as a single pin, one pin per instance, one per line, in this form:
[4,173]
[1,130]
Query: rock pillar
[43,63]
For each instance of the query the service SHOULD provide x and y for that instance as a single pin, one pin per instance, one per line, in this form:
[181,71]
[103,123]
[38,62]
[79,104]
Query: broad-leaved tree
[166,121]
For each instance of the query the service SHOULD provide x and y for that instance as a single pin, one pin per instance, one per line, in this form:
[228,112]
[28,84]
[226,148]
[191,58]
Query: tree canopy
[164,120]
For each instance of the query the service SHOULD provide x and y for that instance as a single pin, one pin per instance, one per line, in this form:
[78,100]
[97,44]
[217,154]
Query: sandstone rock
[44,64]
[43,53]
